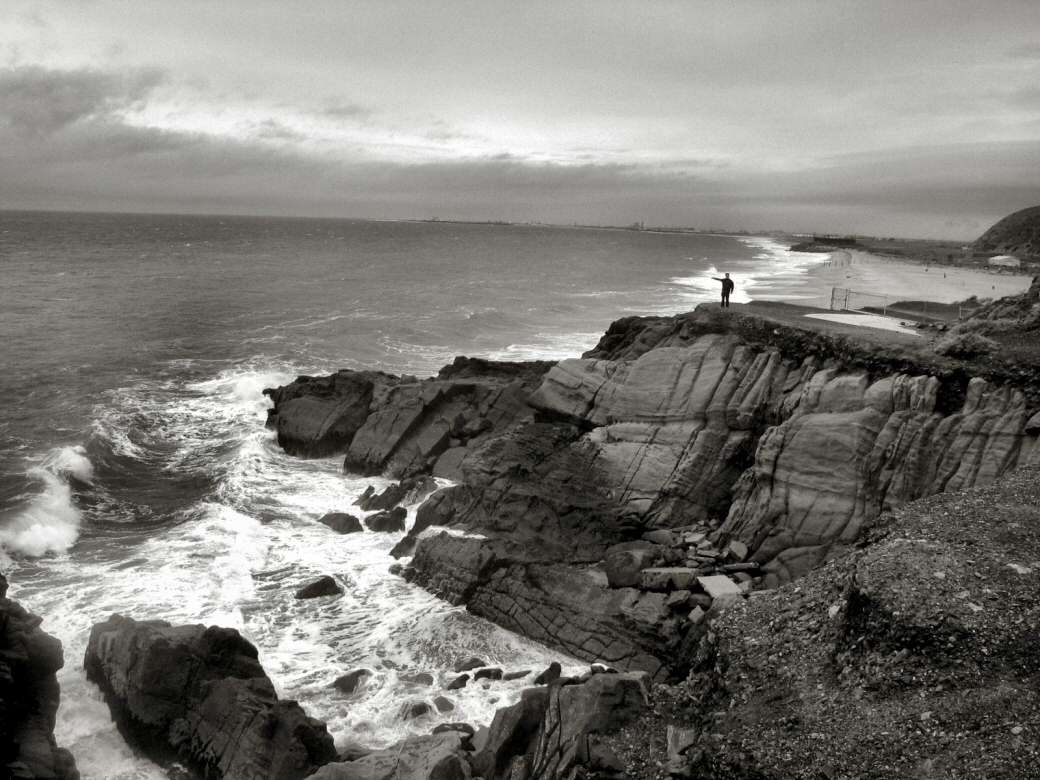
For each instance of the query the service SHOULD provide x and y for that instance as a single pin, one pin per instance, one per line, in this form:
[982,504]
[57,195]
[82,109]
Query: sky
[911,119]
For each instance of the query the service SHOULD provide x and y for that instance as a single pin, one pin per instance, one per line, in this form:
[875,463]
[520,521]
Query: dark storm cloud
[37,101]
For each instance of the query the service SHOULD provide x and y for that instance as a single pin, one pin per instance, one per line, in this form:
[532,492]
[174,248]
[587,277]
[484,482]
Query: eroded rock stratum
[776,442]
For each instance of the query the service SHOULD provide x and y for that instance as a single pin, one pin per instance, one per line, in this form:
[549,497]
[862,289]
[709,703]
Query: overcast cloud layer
[912,119]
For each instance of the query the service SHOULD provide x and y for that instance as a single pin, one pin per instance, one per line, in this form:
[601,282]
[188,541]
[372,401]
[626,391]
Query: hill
[1017,234]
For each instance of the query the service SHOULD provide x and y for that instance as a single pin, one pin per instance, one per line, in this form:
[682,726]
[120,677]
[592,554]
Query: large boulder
[388,522]
[199,696]
[319,416]
[29,696]
[341,522]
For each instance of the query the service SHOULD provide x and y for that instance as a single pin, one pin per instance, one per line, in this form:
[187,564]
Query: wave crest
[50,522]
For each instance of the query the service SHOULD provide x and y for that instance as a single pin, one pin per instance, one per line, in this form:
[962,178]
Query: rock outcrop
[554,733]
[200,697]
[777,444]
[391,426]
[319,416]
[29,696]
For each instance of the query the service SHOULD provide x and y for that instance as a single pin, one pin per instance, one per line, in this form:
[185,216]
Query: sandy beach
[876,281]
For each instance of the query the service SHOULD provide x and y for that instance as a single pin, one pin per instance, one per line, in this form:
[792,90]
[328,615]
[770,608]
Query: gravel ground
[916,655]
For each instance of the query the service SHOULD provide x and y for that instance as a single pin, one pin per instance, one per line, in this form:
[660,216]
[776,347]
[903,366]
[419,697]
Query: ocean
[136,475]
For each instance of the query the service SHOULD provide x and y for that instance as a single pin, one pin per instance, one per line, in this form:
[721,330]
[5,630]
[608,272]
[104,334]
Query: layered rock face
[199,696]
[774,441]
[29,696]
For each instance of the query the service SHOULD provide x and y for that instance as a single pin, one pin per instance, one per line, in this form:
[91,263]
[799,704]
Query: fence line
[845,299]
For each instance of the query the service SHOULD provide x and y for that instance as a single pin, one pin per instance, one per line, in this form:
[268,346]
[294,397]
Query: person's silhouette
[727,288]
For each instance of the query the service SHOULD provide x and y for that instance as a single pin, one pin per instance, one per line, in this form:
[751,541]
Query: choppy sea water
[136,475]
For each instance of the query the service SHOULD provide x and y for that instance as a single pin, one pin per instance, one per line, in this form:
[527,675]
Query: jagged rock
[319,416]
[386,500]
[510,731]
[388,522]
[199,696]
[553,672]
[738,551]
[324,586]
[487,674]
[551,732]
[419,678]
[443,704]
[418,488]
[678,599]
[458,682]
[29,696]
[348,683]
[341,522]
[404,548]
[679,741]
[435,757]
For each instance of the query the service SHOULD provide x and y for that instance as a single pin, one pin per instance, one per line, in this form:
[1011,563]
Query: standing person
[727,288]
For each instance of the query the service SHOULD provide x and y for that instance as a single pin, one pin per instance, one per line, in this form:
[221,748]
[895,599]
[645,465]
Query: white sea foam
[548,347]
[778,274]
[50,521]
[238,557]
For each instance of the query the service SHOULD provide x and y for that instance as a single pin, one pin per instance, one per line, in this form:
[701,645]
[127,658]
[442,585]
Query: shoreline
[883,280]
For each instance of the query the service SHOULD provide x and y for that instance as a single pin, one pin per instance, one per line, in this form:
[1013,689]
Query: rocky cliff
[29,696]
[598,497]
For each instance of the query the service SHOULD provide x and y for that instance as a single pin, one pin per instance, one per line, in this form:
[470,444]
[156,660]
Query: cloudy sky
[904,118]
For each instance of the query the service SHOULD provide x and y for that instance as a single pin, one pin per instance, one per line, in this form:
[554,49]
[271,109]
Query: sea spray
[50,521]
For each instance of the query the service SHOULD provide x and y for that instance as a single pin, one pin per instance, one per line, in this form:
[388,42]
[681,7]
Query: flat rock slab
[718,585]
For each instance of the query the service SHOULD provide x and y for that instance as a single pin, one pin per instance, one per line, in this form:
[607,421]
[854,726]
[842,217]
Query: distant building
[1007,261]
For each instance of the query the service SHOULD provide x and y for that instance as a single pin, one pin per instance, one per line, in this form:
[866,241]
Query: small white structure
[1008,261]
